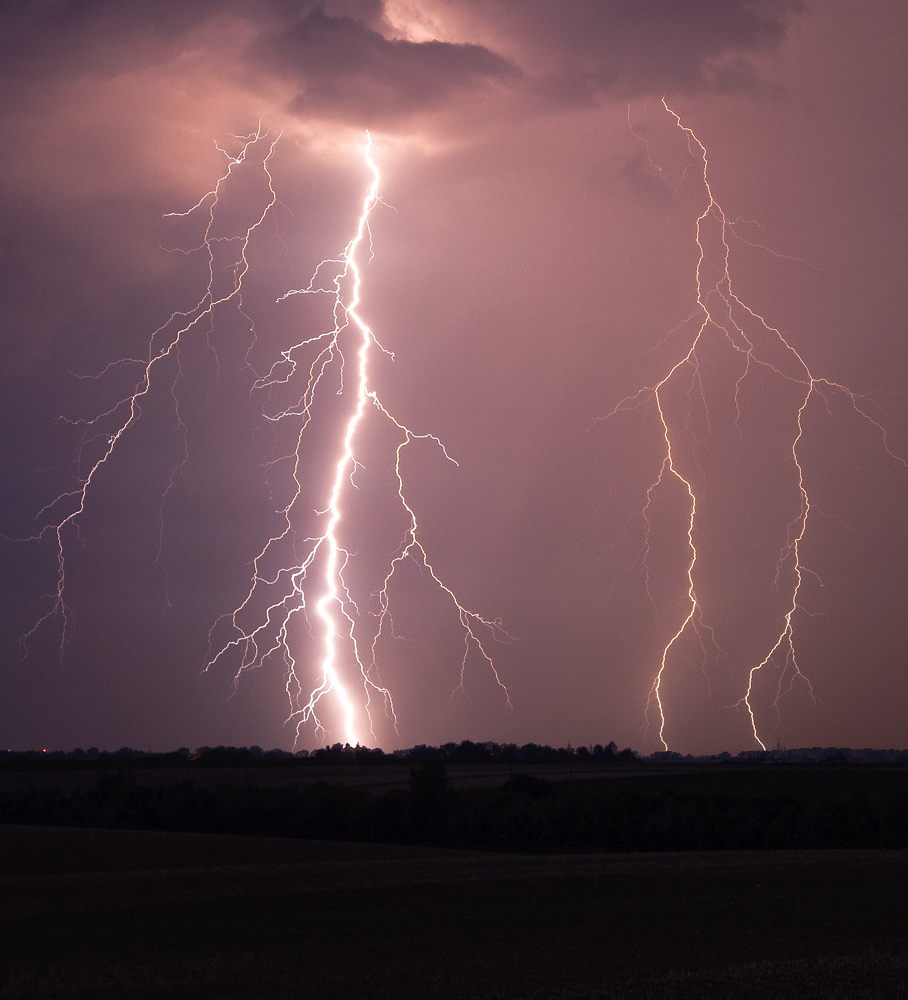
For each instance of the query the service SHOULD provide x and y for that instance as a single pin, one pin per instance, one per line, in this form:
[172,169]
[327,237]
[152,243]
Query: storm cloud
[349,58]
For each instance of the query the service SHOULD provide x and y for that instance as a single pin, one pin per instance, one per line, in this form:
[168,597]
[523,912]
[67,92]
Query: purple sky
[535,264]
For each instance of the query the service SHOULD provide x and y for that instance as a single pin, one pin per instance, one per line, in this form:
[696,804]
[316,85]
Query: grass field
[126,914]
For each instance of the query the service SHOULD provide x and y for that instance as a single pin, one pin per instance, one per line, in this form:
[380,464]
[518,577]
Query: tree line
[338,753]
[525,814]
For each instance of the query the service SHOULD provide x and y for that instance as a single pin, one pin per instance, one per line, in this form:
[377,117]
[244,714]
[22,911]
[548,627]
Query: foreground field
[102,914]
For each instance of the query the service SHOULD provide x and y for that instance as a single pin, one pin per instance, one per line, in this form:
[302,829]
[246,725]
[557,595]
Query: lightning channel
[764,352]
[318,580]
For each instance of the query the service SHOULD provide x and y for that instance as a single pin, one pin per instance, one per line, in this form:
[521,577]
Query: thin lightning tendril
[113,424]
[718,309]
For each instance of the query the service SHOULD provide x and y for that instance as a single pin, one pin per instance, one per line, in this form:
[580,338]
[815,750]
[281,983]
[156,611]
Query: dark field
[126,913]
[374,778]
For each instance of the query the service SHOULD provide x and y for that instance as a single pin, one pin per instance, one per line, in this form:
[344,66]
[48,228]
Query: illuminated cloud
[342,68]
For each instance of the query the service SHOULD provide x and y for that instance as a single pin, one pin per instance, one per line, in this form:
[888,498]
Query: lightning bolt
[295,576]
[764,353]
[318,579]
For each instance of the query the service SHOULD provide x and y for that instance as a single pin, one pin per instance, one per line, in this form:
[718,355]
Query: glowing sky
[535,263]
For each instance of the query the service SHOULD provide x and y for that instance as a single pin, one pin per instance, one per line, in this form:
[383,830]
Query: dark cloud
[587,49]
[339,58]
[343,67]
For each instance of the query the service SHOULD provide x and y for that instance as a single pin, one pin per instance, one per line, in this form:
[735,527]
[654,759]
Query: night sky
[535,274]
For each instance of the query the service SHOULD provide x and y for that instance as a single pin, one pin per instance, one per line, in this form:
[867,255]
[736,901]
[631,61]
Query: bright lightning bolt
[298,580]
[765,353]
[317,579]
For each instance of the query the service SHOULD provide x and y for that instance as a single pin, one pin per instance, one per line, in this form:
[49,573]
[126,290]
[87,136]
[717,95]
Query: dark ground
[376,778]
[86,913]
